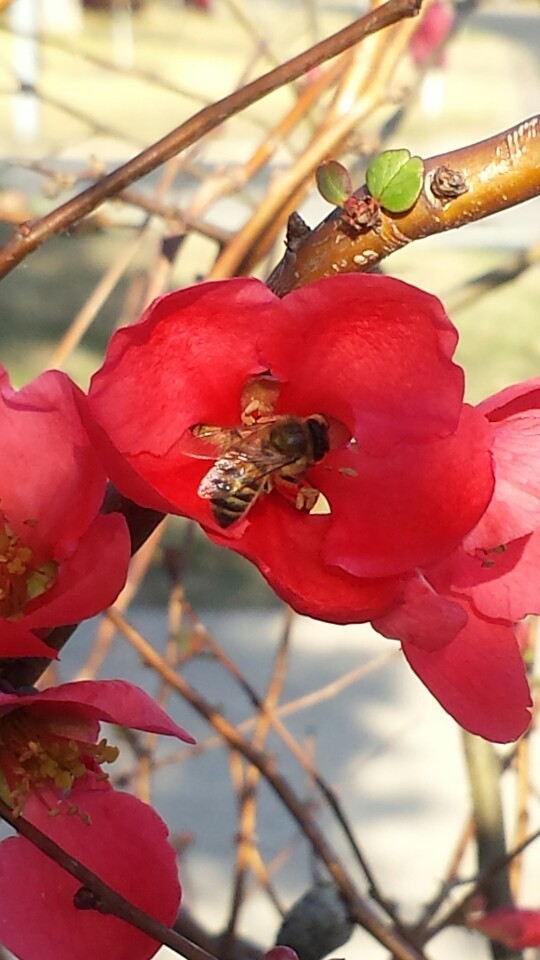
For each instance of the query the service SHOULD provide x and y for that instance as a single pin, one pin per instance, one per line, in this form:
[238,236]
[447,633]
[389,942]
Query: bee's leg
[304,498]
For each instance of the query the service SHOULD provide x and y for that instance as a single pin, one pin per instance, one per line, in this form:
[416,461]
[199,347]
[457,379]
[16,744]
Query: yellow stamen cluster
[34,756]
[20,581]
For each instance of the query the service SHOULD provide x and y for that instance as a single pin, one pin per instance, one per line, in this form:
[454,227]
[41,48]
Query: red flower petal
[286,546]
[125,845]
[373,352]
[370,351]
[425,618]
[185,362]
[17,641]
[115,701]
[478,678]
[47,458]
[516,928]
[515,508]
[410,507]
[89,580]
[502,584]
[513,400]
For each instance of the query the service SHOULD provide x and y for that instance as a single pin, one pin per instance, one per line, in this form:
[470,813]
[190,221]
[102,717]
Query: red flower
[516,928]
[54,568]
[50,761]
[185,401]
[491,580]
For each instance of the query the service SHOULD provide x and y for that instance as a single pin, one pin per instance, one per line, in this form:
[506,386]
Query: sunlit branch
[360,910]
[498,173]
[31,235]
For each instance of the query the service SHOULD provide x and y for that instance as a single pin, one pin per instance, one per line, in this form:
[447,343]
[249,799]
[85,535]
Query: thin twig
[246,852]
[361,911]
[254,239]
[31,235]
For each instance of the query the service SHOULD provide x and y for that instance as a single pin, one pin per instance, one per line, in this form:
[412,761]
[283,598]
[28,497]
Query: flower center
[34,756]
[20,579]
[265,451]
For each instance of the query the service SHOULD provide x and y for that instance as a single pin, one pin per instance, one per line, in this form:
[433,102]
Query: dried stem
[507,270]
[327,692]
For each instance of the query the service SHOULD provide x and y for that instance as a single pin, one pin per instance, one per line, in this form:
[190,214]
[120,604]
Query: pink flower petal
[479,678]
[286,545]
[514,510]
[516,399]
[502,583]
[46,459]
[125,845]
[410,507]
[518,929]
[90,579]
[114,701]
[425,618]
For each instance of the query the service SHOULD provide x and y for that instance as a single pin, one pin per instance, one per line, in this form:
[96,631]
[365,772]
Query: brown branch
[133,72]
[29,236]
[255,239]
[224,182]
[104,895]
[457,911]
[509,269]
[360,910]
[59,180]
[498,173]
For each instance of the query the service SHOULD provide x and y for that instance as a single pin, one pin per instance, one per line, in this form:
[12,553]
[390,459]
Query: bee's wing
[206,442]
[243,464]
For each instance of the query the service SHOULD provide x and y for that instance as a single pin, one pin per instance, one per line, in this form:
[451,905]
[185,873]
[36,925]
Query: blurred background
[83,87]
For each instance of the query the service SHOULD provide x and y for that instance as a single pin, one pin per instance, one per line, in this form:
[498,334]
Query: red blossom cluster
[324,437]
[61,561]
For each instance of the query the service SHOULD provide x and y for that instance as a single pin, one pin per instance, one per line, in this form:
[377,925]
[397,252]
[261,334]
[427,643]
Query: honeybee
[251,459]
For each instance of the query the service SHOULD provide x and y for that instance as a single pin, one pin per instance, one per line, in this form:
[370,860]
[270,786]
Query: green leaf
[333,182]
[395,179]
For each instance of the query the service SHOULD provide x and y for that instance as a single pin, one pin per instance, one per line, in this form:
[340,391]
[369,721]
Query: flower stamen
[34,756]
[20,580]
